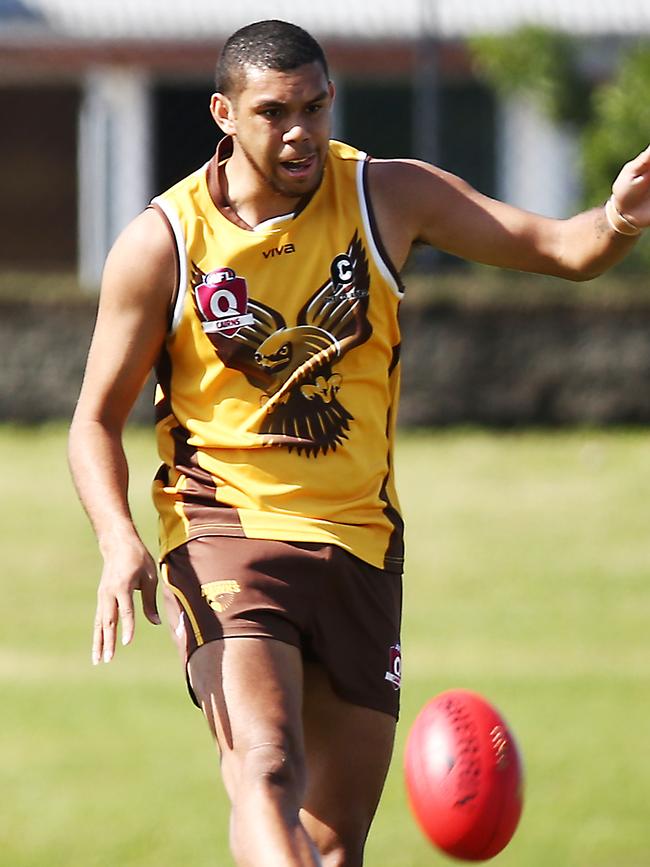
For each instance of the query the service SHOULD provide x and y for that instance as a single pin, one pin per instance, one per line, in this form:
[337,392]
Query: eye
[316,107]
[270,113]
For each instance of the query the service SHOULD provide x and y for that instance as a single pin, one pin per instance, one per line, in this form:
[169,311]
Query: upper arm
[414,201]
[132,320]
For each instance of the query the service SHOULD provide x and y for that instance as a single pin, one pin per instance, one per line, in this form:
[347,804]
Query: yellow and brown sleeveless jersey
[279,378]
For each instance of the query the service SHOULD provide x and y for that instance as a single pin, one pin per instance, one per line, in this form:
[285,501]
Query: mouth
[300,168]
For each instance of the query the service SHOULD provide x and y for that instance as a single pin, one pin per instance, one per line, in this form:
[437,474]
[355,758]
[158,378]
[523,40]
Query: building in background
[104,103]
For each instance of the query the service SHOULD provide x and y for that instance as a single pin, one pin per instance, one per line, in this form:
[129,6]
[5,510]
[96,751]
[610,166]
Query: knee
[343,848]
[343,856]
[274,767]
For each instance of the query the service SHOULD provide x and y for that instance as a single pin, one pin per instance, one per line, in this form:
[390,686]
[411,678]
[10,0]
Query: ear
[331,90]
[222,110]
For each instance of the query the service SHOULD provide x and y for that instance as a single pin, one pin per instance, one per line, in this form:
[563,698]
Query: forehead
[261,85]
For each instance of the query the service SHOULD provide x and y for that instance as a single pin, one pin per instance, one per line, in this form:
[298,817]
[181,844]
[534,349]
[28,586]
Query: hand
[631,190]
[130,568]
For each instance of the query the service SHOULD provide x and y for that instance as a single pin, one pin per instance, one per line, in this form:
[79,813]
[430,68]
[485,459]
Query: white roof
[372,19]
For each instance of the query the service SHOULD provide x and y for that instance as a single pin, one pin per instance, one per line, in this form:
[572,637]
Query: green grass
[527,579]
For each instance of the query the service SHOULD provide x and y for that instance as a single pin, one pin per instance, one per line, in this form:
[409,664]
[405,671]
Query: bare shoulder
[406,196]
[141,265]
[406,171]
[149,232]
[132,320]
[409,184]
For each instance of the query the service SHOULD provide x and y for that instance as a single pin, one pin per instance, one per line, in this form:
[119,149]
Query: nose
[296,133]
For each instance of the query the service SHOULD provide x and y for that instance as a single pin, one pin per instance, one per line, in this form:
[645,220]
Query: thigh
[250,690]
[348,753]
[220,587]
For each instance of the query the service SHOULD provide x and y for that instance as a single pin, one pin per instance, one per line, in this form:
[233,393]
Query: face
[280,123]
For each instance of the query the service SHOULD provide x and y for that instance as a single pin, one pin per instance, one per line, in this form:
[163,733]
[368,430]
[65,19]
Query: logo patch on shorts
[394,673]
[220,594]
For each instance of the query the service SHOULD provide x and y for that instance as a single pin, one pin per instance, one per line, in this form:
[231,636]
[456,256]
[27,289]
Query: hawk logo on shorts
[222,301]
[394,673]
[292,364]
[220,594]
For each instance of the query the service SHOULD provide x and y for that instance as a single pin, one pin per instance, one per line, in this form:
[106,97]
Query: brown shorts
[339,610]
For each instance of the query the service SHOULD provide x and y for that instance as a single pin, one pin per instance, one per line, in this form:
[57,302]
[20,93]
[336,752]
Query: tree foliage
[613,117]
[621,123]
[537,62]
[620,129]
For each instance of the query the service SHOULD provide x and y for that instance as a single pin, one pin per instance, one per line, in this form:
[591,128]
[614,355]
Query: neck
[251,196]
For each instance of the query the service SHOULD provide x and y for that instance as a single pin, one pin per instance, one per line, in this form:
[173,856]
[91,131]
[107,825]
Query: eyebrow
[276,103]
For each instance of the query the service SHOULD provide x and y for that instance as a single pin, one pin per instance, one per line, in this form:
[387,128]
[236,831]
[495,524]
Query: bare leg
[348,754]
[251,693]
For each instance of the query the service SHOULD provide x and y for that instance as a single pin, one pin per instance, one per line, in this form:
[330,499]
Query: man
[264,289]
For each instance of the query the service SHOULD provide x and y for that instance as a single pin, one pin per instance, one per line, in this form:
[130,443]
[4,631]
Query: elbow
[85,429]
[76,438]
[580,272]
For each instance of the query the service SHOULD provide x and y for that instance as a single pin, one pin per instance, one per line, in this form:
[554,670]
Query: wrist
[116,537]
[619,223]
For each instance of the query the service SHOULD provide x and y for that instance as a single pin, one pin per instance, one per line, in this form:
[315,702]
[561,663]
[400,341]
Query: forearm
[598,239]
[100,473]
[587,245]
[579,248]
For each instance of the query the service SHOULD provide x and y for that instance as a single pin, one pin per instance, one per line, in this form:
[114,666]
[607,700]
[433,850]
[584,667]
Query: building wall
[38,177]
[142,129]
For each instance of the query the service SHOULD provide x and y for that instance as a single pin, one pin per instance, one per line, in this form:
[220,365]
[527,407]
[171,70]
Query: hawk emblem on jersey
[221,301]
[292,364]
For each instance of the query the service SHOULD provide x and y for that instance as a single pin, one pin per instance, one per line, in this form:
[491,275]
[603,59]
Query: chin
[299,187]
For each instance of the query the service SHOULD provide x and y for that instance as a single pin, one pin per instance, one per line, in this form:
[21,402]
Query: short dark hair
[268,44]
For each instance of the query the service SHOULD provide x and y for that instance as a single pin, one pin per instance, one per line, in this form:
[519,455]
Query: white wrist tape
[617,221]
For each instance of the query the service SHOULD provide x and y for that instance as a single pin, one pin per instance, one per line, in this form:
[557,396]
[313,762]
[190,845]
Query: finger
[640,164]
[98,640]
[127,616]
[643,158]
[149,604]
[109,630]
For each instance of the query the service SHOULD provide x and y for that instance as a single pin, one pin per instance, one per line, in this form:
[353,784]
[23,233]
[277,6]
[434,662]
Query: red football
[464,775]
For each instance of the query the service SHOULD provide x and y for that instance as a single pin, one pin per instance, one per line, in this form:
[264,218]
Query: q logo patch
[222,302]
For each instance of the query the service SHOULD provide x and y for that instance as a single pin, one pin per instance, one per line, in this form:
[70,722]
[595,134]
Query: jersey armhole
[171,220]
[381,257]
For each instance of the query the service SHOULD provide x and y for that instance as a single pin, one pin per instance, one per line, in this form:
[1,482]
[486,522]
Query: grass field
[527,579]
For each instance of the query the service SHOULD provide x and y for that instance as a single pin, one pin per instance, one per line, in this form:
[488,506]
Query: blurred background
[537,102]
[523,456]
[105,103]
